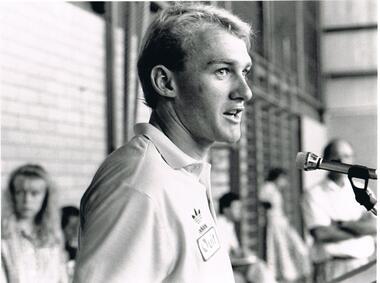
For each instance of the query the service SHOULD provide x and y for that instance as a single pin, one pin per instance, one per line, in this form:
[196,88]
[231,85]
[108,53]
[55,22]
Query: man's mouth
[234,112]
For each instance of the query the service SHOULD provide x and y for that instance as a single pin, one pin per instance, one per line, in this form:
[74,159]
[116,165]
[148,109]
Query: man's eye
[246,72]
[221,73]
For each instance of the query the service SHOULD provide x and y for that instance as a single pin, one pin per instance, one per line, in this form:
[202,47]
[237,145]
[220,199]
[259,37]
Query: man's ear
[163,81]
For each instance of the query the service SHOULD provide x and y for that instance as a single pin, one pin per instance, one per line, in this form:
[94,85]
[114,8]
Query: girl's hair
[169,39]
[47,220]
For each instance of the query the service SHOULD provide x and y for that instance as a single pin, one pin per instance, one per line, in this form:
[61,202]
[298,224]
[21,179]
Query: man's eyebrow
[227,62]
[220,61]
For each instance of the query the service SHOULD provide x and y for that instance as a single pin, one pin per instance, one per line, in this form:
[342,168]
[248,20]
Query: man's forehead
[219,46]
[343,149]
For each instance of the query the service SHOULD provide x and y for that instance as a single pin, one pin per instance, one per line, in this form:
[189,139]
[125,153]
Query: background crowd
[40,241]
[36,245]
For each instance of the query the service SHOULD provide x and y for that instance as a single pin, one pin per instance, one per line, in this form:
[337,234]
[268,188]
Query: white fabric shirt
[327,202]
[147,217]
[228,234]
[25,262]
[270,193]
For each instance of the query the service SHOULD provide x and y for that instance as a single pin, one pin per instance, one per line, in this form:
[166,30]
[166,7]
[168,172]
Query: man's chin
[230,138]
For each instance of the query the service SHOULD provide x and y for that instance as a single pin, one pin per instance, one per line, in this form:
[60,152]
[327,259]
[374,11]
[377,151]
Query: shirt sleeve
[228,234]
[122,240]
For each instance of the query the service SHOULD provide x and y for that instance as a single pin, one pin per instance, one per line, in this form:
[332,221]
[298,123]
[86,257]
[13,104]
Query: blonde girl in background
[31,240]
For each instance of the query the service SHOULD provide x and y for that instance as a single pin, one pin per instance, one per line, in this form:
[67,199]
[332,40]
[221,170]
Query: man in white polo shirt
[342,229]
[147,215]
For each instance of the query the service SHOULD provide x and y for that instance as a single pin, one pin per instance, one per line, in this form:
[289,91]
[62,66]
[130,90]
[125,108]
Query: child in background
[247,266]
[70,226]
[31,239]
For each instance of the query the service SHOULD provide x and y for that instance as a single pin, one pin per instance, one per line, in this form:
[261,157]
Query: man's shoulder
[322,185]
[317,190]
[136,166]
[138,156]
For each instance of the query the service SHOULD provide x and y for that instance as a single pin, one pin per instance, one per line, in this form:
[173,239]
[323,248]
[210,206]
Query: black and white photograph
[189,141]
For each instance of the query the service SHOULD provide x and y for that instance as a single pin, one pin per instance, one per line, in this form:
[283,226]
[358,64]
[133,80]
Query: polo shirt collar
[177,159]
[174,156]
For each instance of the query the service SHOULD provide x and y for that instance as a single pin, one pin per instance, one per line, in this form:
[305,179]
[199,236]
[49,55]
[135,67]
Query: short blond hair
[170,35]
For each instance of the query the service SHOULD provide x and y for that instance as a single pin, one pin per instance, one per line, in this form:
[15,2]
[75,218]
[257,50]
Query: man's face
[282,182]
[212,89]
[236,210]
[344,153]
[71,231]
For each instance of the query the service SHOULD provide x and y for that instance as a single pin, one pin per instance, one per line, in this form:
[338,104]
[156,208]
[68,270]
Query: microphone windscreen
[301,160]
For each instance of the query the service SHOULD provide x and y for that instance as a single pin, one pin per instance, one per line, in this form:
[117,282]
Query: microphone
[309,161]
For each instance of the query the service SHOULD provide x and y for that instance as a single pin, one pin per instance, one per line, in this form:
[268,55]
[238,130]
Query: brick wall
[52,92]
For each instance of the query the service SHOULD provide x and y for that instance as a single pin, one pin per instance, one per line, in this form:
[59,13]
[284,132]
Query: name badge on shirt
[208,244]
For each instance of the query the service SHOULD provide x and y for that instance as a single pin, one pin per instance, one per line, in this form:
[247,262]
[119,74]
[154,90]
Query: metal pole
[110,85]
[131,49]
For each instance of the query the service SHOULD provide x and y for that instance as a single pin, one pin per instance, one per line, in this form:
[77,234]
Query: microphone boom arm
[310,161]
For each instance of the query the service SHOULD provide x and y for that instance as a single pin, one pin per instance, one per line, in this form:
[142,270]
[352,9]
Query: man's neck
[168,122]
[337,179]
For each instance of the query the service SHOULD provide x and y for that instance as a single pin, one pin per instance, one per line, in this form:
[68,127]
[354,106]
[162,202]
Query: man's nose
[243,90]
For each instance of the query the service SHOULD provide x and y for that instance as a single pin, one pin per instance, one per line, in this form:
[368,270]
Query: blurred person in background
[286,253]
[246,264]
[70,227]
[148,215]
[342,230]
[31,239]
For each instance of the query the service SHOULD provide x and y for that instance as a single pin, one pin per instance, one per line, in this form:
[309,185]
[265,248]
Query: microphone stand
[363,195]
